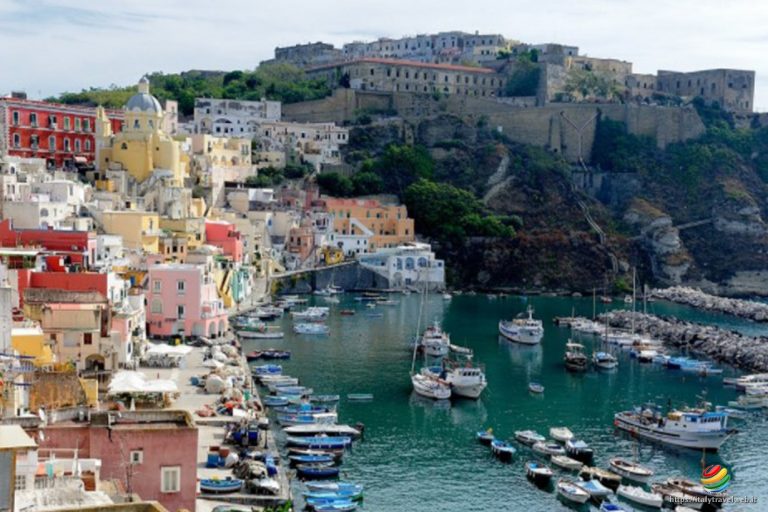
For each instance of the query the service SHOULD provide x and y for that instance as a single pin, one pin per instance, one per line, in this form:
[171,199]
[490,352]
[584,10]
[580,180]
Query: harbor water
[421,455]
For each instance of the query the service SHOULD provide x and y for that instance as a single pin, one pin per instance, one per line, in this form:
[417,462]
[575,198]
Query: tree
[366,183]
[401,165]
[334,184]
[524,80]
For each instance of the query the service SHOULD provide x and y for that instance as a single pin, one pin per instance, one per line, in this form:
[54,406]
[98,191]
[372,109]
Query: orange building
[389,224]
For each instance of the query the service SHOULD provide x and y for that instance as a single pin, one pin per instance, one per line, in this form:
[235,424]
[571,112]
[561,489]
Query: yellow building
[142,147]
[192,229]
[30,341]
[389,224]
[139,229]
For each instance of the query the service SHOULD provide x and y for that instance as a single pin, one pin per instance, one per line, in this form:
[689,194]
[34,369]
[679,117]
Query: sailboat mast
[634,294]
[418,325]
[594,304]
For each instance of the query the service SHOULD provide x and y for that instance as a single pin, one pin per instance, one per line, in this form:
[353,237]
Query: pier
[749,309]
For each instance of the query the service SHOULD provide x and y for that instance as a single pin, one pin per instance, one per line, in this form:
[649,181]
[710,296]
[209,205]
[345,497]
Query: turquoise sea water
[421,455]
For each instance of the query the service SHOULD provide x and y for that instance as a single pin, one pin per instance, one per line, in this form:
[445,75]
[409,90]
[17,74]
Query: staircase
[592,224]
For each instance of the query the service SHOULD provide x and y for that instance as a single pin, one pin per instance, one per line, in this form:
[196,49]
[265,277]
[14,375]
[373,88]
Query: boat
[538,472]
[317,470]
[330,495]
[275,401]
[267,369]
[335,486]
[527,331]
[337,453]
[465,379]
[674,496]
[586,326]
[219,486]
[695,491]
[360,397]
[324,399]
[320,442]
[628,299]
[430,387]
[566,462]
[561,434]
[575,360]
[282,380]
[272,353]
[309,459]
[320,429]
[253,356]
[638,495]
[311,328]
[572,491]
[529,437]
[605,299]
[292,419]
[347,312]
[434,342]
[312,314]
[579,450]
[346,506]
[607,506]
[550,448]
[485,436]
[604,360]
[595,489]
[607,478]
[736,414]
[630,470]
[457,349]
[447,296]
[695,428]
[535,387]
[502,449]
[288,389]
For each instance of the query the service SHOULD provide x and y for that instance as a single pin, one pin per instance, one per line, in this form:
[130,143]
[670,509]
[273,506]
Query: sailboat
[424,384]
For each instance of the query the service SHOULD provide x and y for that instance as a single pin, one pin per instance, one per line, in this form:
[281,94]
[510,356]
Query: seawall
[351,276]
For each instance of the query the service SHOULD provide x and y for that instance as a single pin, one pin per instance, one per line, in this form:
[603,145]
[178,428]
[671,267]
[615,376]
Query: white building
[354,243]
[234,118]
[408,265]
[109,251]
[38,211]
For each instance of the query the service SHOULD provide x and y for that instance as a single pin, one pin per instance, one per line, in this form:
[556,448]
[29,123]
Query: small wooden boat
[607,506]
[529,437]
[275,354]
[320,429]
[337,453]
[324,399]
[267,369]
[566,462]
[630,470]
[320,442]
[360,397]
[334,486]
[538,472]
[561,434]
[674,496]
[502,449]
[318,470]
[253,356]
[596,489]
[485,436]
[457,349]
[572,491]
[638,495]
[693,489]
[275,401]
[311,459]
[607,478]
[535,387]
[579,450]
[345,506]
[350,494]
[217,486]
[347,312]
[547,449]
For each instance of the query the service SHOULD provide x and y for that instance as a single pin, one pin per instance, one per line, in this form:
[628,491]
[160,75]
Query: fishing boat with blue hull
[595,489]
[579,450]
[306,418]
[217,486]
[317,470]
[346,506]
[485,436]
[313,501]
[502,449]
[335,486]
[572,491]
[607,506]
[320,442]
[311,459]
[538,472]
[275,401]
[341,494]
[324,399]
[267,369]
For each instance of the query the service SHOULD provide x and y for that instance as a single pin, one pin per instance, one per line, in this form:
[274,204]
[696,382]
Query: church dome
[143,101]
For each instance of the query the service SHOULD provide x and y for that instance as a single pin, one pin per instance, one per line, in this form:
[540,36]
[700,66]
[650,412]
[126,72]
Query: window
[34,141]
[180,311]
[170,479]
[16,140]
[52,121]
[136,124]
[156,285]
[87,125]
[33,119]
[87,338]
[87,144]
[137,456]
[67,145]
[157,307]
[77,145]
[15,117]
[181,285]
[52,143]
[77,124]
[66,123]
[21,482]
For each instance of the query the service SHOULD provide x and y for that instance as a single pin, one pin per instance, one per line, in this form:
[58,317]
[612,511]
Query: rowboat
[566,462]
[337,495]
[502,449]
[320,429]
[320,443]
[336,454]
[529,437]
[607,478]
[334,486]
[535,387]
[324,399]
[571,491]
[638,495]
[267,369]
[318,470]
[550,448]
[360,397]
[346,506]
[538,472]
[485,436]
[561,434]
[310,459]
[607,506]
[630,470]
[215,485]
[695,491]
[275,401]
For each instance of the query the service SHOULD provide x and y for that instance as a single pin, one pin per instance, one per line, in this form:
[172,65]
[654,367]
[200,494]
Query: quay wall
[567,128]
[351,276]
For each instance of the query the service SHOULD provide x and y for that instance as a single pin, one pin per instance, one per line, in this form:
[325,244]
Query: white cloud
[51,46]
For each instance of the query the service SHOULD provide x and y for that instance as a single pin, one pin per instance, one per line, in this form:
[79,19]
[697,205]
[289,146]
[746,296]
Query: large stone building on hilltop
[731,89]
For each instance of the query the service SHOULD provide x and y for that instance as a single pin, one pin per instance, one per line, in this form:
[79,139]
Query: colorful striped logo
[715,478]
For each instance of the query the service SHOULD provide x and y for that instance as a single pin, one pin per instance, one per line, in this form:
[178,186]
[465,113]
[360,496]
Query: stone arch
[95,362]
[222,329]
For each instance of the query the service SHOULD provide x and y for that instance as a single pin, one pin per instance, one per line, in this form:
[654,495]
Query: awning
[136,382]
[81,160]
[169,350]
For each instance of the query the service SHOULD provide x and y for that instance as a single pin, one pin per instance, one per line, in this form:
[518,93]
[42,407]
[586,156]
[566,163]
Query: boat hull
[700,441]
[520,335]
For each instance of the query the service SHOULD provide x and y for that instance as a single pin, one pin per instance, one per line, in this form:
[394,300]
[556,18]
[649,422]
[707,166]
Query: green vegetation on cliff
[281,82]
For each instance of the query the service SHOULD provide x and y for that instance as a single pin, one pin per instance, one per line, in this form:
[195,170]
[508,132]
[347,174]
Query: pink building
[152,453]
[223,234]
[183,299]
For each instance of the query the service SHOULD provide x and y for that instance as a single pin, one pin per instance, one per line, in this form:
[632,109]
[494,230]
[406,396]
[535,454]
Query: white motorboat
[548,448]
[561,434]
[312,314]
[430,387]
[586,326]
[693,428]
[322,429]
[447,296]
[596,489]
[638,495]
[527,331]
[756,379]
[566,462]
[434,342]
[267,332]
[529,437]
[465,380]
[604,360]
[571,491]
[311,328]
[630,470]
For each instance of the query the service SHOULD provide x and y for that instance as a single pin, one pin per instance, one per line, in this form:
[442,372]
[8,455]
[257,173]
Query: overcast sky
[50,46]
